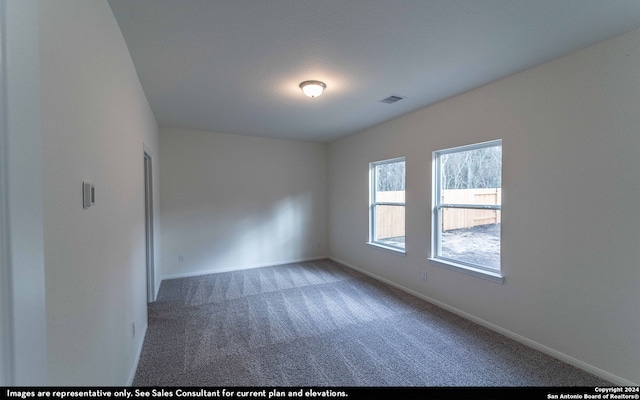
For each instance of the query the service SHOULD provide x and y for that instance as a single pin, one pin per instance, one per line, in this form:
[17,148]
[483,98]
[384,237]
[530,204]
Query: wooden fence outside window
[391,219]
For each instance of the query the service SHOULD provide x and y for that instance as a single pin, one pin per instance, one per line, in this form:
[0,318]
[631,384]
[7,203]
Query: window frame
[373,203]
[436,217]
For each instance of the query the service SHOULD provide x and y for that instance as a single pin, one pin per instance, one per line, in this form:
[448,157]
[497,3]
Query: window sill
[394,250]
[477,272]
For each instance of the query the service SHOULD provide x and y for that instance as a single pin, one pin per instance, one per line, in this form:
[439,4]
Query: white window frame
[436,219]
[373,203]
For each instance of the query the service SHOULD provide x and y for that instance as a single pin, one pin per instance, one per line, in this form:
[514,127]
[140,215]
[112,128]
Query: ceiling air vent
[392,99]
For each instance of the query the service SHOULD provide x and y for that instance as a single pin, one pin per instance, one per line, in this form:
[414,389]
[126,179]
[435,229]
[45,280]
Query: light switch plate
[87,194]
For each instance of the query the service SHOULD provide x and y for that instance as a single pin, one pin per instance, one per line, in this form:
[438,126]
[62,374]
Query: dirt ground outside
[478,245]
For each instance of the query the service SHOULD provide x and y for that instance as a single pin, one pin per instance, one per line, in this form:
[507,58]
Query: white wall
[571,225]
[22,287]
[232,202]
[95,120]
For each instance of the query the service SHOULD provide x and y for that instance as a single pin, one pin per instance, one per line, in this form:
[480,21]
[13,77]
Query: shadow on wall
[282,234]
[249,234]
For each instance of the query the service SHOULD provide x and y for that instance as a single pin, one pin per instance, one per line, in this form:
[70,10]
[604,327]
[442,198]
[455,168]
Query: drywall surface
[232,202]
[571,226]
[95,122]
[22,279]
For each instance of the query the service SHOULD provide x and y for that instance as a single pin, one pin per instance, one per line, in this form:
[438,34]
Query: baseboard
[132,374]
[217,271]
[512,335]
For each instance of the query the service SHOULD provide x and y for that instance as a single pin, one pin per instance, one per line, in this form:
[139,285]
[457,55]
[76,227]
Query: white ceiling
[234,66]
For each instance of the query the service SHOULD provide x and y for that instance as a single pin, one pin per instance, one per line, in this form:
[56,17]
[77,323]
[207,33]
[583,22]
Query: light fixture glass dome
[312,88]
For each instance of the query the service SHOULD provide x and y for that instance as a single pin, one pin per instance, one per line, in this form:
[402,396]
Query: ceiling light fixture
[312,88]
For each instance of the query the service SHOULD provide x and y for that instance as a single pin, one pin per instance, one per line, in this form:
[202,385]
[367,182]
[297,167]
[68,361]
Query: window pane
[471,236]
[472,169]
[388,186]
[390,225]
[390,182]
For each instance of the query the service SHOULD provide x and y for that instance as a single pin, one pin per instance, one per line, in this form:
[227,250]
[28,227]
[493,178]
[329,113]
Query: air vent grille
[392,99]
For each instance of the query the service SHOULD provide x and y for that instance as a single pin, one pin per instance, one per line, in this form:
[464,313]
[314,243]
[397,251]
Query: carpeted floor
[319,323]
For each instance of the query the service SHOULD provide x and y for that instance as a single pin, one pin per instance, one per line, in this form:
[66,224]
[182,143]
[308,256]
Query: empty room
[331,193]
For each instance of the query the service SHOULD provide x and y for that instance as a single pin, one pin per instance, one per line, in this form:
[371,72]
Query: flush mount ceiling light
[312,88]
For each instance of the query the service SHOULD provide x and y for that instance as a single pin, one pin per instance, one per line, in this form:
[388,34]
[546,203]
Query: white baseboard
[517,337]
[132,374]
[217,271]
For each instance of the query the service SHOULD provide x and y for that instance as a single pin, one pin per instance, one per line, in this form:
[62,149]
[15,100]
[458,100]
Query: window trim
[436,217]
[373,204]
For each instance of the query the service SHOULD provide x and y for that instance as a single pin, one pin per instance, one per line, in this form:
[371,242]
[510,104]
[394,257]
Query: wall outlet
[133,328]
[180,259]
[424,275]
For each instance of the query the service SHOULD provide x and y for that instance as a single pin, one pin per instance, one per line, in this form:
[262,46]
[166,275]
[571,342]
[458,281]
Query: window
[467,208]
[386,220]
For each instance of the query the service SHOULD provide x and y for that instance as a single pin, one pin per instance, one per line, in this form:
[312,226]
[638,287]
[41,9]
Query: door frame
[6,357]
[148,218]
[23,342]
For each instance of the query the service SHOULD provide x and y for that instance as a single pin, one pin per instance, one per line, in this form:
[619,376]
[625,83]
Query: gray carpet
[319,323]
